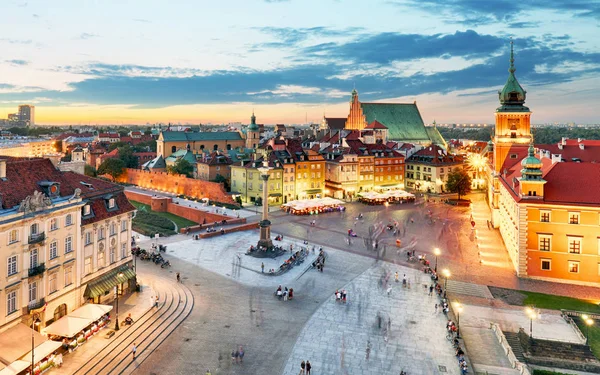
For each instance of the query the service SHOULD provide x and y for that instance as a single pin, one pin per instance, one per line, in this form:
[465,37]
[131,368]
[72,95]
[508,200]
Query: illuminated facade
[428,169]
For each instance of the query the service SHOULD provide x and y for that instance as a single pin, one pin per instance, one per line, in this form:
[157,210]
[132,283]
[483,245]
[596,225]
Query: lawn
[547,301]
[180,221]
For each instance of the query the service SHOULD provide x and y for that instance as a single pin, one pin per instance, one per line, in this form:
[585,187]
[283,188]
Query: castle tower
[252,133]
[512,118]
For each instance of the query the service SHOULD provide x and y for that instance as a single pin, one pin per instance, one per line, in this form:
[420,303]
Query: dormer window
[87,210]
[111,203]
[50,189]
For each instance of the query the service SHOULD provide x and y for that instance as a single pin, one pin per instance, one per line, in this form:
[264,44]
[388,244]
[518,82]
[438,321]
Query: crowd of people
[285,293]
[319,263]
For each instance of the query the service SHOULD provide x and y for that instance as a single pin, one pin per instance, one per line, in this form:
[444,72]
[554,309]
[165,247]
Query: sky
[183,61]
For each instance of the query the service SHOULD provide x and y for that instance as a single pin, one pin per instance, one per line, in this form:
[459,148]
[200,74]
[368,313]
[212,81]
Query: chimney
[560,146]
[564,141]
[2,169]
[581,146]
[556,158]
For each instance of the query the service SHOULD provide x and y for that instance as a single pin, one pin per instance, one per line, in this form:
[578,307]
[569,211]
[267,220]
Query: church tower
[512,117]
[356,119]
[252,133]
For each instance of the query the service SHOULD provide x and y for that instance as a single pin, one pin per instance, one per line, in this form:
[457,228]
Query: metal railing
[37,270]
[38,304]
[37,238]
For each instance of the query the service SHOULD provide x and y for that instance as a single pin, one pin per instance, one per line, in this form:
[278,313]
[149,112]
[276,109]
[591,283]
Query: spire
[253,126]
[512,57]
[512,96]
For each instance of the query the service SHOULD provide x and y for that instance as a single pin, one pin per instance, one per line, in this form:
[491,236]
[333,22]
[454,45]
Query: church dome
[512,94]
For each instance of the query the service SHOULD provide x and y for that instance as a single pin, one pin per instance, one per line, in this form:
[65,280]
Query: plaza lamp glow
[446,273]
[459,309]
[588,322]
[437,253]
[533,314]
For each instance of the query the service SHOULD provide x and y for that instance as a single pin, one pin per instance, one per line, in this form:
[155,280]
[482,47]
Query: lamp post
[588,322]
[532,314]
[436,252]
[119,275]
[265,225]
[35,321]
[446,273]
[459,309]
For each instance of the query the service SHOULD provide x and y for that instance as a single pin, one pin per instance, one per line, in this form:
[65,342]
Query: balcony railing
[35,305]
[37,238]
[39,269]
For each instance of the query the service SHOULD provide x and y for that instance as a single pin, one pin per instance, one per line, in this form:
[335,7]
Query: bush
[149,224]
[547,372]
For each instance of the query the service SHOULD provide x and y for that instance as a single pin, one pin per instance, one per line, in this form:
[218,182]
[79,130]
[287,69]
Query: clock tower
[512,118]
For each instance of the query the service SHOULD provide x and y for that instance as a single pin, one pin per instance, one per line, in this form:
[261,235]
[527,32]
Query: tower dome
[532,166]
[512,96]
[253,126]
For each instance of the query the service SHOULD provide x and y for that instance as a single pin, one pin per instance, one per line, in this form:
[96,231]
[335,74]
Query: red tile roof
[375,125]
[590,152]
[435,155]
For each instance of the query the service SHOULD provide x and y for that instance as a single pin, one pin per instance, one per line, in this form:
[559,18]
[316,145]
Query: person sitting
[128,320]
[279,293]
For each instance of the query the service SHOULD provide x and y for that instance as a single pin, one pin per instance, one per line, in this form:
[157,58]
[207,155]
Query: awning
[91,311]
[313,191]
[104,283]
[275,195]
[44,350]
[16,341]
[67,326]
[15,368]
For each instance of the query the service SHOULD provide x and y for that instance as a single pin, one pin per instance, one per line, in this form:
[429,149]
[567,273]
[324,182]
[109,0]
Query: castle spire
[512,57]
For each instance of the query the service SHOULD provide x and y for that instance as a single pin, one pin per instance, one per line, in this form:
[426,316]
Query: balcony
[38,270]
[37,238]
[35,305]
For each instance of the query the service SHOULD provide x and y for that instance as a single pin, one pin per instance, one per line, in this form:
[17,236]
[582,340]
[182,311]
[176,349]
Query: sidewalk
[136,304]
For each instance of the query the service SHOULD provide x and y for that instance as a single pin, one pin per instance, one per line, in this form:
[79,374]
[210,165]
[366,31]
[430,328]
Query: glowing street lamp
[459,309]
[35,322]
[532,313]
[446,273]
[119,275]
[436,252]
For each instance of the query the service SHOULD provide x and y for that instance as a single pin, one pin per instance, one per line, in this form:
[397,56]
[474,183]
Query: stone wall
[248,226]
[176,184]
[165,204]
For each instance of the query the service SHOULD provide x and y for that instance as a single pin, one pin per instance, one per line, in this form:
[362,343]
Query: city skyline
[290,60]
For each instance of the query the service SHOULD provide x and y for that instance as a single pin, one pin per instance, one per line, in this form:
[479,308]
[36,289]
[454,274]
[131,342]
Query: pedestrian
[396,276]
[308,367]
[241,354]
[262,267]
[156,302]
[389,291]
[302,367]
[233,356]
[436,307]
[133,350]
[178,277]
[430,290]
[237,356]
[285,294]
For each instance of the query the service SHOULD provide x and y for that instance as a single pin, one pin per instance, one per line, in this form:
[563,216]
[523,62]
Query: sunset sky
[134,61]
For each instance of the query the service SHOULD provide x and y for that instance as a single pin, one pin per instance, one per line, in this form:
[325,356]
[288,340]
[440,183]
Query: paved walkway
[334,340]
[485,352]
[225,255]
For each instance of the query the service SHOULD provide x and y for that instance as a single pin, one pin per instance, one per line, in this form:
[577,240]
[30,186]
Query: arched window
[34,229]
[228,147]
[201,147]
[215,147]
[173,149]
[69,220]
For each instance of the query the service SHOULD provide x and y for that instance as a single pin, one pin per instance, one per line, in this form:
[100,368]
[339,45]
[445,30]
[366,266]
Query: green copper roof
[200,136]
[403,121]
[156,163]
[532,166]
[182,154]
[436,137]
[253,126]
[512,96]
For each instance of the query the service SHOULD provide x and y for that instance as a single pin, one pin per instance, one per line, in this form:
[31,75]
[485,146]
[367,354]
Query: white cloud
[566,67]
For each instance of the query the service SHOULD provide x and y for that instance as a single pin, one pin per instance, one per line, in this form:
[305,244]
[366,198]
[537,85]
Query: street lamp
[35,322]
[532,314]
[119,275]
[446,273]
[459,309]
[436,252]
[588,322]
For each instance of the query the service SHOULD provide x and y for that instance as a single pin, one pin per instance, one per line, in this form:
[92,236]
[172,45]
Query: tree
[459,182]
[149,146]
[112,167]
[90,171]
[112,146]
[126,155]
[181,166]
[222,180]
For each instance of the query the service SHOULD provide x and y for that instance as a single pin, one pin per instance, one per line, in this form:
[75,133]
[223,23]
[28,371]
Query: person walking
[302,367]
[308,367]
[436,307]
[178,277]
[241,351]
[133,350]
[430,290]
[262,267]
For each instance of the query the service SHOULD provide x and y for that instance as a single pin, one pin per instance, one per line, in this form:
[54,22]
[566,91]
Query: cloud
[141,20]
[291,37]
[88,36]
[16,41]
[17,62]
[277,1]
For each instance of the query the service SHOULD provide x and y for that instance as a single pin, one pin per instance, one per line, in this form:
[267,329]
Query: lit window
[87,269]
[546,264]
[574,267]
[87,210]
[573,217]
[574,245]
[100,259]
[111,203]
[544,242]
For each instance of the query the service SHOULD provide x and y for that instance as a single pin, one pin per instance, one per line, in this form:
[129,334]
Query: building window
[100,233]
[113,255]
[573,267]
[53,283]
[11,302]
[12,265]
[69,220]
[87,267]
[111,203]
[545,216]
[113,229]
[34,229]
[13,236]
[33,258]
[574,245]
[88,238]
[546,264]
[53,250]
[573,217]
[87,210]
[123,225]
[33,292]
[123,250]
[68,276]
[53,224]
[68,245]
[544,242]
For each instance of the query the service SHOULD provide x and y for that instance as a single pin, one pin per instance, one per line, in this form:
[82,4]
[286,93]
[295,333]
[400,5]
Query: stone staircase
[515,344]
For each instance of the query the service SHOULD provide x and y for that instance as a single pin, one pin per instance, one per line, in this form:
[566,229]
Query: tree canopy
[112,167]
[459,181]
[183,167]
[90,171]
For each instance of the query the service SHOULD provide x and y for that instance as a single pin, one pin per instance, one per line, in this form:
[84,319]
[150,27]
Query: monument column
[265,224]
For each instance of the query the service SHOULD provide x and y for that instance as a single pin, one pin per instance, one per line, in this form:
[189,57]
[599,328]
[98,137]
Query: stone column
[265,224]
